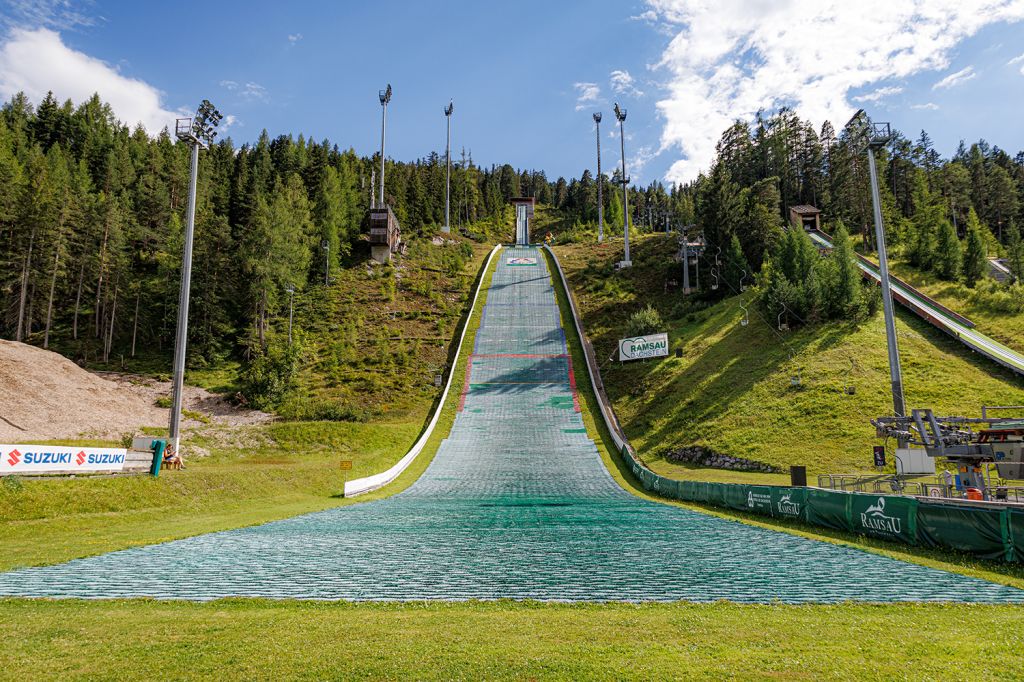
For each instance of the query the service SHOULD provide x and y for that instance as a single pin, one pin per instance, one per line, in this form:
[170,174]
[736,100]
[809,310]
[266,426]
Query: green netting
[984,532]
[736,496]
[829,509]
[1015,522]
[516,503]
[889,517]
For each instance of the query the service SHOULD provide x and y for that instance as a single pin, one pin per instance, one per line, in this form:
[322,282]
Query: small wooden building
[385,234]
[805,216]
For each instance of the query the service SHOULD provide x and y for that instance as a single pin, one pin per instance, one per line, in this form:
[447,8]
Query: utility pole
[600,182]
[326,245]
[880,134]
[291,309]
[620,116]
[385,98]
[448,171]
[196,132]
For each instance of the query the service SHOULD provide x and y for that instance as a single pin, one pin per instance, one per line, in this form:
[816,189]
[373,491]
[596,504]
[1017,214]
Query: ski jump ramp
[516,503]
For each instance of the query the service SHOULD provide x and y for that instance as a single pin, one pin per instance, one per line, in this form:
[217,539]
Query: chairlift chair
[743,276]
[783,326]
[746,317]
[714,284]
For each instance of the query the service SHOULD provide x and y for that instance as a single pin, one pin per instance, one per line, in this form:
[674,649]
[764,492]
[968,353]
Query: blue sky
[526,76]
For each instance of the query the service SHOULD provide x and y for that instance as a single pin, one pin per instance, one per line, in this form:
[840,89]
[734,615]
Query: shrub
[270,374]
[644,321]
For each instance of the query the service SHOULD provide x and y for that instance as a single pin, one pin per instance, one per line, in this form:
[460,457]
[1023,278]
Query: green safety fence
[988,533]
[984,532]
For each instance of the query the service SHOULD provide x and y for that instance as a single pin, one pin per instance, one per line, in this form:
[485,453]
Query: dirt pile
[44,395]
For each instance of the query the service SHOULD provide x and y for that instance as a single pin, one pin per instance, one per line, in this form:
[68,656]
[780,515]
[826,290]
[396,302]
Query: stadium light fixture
[385,99]
[620,116]
[448,169]
[875,135]
[600,181]
[197,132]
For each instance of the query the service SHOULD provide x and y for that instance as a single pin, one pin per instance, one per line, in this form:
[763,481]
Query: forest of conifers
[91,216]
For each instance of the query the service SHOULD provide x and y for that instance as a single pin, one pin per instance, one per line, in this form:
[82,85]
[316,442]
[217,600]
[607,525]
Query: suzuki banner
[42,459]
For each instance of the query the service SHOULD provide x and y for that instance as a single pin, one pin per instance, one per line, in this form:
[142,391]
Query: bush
[269,376]
[644,321]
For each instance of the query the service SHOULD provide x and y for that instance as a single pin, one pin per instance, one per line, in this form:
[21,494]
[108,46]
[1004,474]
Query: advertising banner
[640,347]
[42,459]
[759,500]
[789,503]
[892,518]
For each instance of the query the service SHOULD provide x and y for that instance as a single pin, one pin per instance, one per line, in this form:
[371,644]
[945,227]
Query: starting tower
[524,211]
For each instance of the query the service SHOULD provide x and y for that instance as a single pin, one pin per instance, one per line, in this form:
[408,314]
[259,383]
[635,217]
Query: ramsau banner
[41,459]
[650,346]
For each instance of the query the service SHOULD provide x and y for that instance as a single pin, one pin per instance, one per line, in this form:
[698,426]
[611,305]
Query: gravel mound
[43,395]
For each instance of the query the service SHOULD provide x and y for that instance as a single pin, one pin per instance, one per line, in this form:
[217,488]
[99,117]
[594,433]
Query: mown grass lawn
[239,639]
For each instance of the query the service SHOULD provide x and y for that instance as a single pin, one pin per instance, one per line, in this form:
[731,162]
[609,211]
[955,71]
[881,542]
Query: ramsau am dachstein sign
[639,347]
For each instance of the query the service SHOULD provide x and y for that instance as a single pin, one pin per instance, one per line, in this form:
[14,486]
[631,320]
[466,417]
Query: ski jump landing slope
[516,503]
[932,311]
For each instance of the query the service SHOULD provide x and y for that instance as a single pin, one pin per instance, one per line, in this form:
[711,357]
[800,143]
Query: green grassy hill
[732,390]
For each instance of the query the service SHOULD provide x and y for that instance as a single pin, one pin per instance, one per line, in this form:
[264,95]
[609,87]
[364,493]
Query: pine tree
[949,255]
[975,257]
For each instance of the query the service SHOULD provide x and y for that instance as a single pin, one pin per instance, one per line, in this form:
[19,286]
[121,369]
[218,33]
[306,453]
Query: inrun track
[516,503]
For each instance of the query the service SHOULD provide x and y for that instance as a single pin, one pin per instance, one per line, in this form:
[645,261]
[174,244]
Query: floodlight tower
[620,116]
[385,98]
[878,135]
[448,169]
[196,132]
[600,198]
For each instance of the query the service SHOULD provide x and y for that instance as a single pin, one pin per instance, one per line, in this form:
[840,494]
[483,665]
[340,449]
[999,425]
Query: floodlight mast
[620,116]
[448,169]
[878,135]
[196,132]
[600,181]
[385,98]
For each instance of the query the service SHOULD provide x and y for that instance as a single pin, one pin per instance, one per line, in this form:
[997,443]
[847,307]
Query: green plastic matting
[516,503]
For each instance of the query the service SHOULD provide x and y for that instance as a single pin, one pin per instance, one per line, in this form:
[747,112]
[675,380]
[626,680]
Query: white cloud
[878,94]
[56,14]
[955,79]
[588,94]
[729,59]
[294,38]
[36,61]
[624,84]
[249,91]
[927,106]
[1017,60]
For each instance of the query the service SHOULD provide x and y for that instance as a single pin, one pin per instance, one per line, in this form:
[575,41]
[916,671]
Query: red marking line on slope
[572,385]
[518,355]
[465,387]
